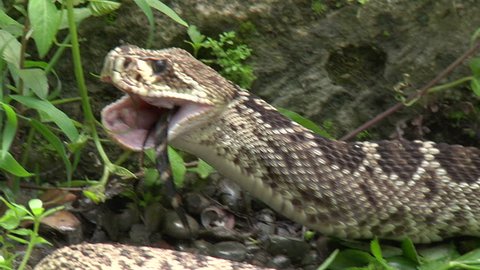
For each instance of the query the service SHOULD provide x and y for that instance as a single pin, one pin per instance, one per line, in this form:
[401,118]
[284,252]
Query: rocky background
[334,61]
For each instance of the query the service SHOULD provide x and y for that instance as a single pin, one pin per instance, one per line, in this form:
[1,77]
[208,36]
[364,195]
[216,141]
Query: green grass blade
[9,130]
[147,10]
[307,123]
[10,165]
[178,166]
[57,116]
[167,11]
[409,250]
[329,260]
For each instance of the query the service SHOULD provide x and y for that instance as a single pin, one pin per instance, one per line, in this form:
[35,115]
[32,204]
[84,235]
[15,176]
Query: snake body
[387,189]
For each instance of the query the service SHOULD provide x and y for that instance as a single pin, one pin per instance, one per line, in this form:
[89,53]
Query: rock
[173,226]
[340,65]
[230,195]
[152,216]
[203,246]
[280,262]
[216,217]
[229,250]
[195,203]
[293,248]
[139,234]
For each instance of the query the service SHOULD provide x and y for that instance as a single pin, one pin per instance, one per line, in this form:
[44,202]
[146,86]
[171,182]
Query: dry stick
[414,96]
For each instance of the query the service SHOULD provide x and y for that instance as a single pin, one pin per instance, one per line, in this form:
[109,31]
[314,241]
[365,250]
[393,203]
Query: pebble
[216,217]
[173,226]
[139,234]
[230,195]
[280,262]
[265,222]
[152,216]
[294,248]
[229,250]
[195,203]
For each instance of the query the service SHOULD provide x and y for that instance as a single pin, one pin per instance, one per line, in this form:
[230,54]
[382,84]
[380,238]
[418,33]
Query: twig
[423,91]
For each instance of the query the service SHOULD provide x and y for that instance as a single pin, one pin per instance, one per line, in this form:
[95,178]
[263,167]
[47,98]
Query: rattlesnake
[389,189]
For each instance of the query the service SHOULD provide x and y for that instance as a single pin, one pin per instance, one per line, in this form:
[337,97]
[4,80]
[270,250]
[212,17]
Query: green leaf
[36,206]
[9,24]
[375,249]
[305,122]
[167,11]
[203,169]
[472,256]
[351,258]
[102,7]
[36,80]
[22,231]
[150,177]
[121,171]
[17,239]
[377,253]
[329,260]
[147,10]
[475,85]
[195,35]
[40,240]
[10,48]
[150,154]
[439,252]
[80,14]
[9,130]
[475,36]
[95,197]
[401,263]
[44,18]
[10,165]
[409,250]
[475,66]
[10,220]
[178,166]
[78,144]
[57,116]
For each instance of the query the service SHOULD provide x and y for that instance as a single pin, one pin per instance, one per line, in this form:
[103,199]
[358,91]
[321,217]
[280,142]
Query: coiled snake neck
[389,189]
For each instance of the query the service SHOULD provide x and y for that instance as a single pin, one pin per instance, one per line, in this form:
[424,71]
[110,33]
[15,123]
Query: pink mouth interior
[129,120]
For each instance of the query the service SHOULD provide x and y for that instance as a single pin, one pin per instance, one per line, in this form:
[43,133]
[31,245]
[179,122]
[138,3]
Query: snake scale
[390,189]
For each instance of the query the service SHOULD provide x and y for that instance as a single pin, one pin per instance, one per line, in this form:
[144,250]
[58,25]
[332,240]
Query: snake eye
[159,66]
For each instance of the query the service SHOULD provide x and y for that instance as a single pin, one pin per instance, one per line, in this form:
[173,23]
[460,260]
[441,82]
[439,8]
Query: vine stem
[87,109]
[423,91]
[31,243]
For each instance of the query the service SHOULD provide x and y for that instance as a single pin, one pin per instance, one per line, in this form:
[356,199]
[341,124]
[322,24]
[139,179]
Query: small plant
[362,257]
[318,6]
[229,55]
[12,230]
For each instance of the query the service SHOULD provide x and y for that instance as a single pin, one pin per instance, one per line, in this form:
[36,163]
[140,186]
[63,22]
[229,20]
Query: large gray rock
[340,65]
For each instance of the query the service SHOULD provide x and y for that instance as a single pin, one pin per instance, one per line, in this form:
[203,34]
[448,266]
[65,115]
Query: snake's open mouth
[130,119]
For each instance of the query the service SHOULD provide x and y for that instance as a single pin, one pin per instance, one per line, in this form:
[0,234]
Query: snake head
[156,81]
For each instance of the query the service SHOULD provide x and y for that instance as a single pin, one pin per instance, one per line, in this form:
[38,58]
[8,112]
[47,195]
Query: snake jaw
[129,120]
